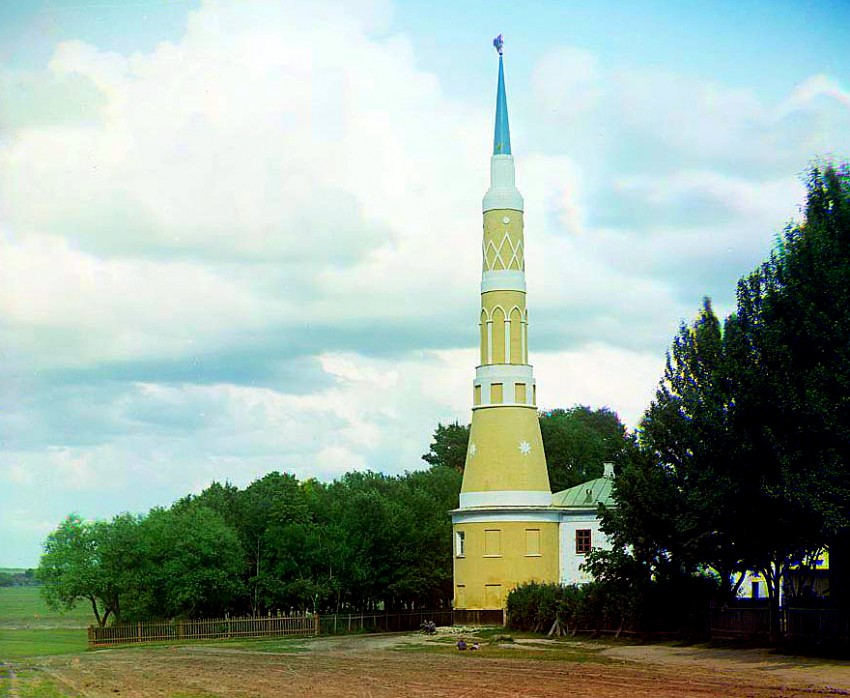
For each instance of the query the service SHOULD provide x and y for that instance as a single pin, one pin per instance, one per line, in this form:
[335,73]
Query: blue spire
[502,137]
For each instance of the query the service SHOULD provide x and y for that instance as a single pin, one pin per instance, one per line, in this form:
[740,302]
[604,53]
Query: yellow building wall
[507,453]
[483,578]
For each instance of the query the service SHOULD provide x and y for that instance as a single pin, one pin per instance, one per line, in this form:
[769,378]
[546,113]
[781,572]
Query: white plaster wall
[745,591]
[570,561]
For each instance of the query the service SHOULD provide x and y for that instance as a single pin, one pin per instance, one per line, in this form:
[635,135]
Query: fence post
[318,624]
[139,631]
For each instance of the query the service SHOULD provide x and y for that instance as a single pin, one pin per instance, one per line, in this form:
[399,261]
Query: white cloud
[73,309]
[660,120]
[297,142]
[811,89]
[286,199]
[599,376]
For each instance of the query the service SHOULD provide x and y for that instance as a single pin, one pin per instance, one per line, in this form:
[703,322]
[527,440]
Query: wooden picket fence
[733,623]
[207,629]
[826,627]
[797,626]
[382,621]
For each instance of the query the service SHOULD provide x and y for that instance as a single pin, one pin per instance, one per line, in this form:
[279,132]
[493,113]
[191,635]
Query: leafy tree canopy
[578,440]
[449,445]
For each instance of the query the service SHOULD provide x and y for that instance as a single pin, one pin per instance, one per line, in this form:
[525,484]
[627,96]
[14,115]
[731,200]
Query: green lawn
[16,644]
[23,607]
[28,628]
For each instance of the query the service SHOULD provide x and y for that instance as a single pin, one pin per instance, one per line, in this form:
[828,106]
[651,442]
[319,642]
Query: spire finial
[502,137]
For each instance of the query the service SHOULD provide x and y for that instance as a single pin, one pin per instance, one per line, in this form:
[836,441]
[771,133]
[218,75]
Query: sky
[239,236]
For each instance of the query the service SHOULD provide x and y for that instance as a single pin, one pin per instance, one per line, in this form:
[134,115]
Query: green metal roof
[586,495]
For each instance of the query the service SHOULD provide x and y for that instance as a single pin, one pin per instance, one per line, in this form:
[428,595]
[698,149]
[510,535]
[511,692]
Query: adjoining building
[509,528]
[580,530]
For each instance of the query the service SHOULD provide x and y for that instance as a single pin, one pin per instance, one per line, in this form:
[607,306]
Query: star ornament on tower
[524,448]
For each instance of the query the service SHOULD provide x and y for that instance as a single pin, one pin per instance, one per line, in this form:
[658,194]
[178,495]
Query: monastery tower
[505,530]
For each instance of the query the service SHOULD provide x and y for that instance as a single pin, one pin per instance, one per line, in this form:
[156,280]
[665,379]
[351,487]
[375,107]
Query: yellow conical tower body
[505,530]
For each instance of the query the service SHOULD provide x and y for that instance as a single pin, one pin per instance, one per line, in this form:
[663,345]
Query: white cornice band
[509,380]
[523,515]
[503,280]
[511,498]
[515,373]
[508,376]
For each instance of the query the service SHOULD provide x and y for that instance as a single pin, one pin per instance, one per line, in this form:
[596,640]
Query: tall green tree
[187,563]
[744,448]
[578,440]
[688,434]
[78,564]
[272,518]
[448,447]
[794,379]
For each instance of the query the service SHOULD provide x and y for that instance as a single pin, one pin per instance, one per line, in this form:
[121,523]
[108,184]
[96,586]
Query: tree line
[363,542]
[18,578]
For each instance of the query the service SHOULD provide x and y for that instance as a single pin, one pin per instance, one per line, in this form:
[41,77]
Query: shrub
[675,605]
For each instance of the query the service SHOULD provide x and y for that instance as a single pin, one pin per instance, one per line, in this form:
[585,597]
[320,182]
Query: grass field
[28,628]
[22,643]
[23,607]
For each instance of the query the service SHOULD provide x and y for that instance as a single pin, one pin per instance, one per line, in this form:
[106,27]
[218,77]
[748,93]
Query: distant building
[804,582]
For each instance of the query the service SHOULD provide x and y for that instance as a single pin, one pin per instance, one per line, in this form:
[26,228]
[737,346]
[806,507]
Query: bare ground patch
[373,666]
[802,671]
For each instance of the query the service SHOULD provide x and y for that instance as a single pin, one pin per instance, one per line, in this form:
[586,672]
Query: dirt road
[392,666]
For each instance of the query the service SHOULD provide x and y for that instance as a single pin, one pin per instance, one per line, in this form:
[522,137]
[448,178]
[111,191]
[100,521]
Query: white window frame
[460,543]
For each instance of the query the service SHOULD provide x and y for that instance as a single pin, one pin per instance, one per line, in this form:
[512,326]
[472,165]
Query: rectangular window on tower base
[583,542]
[460,596]
[532,542]
[492,542]
[460,543]
[493,595]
